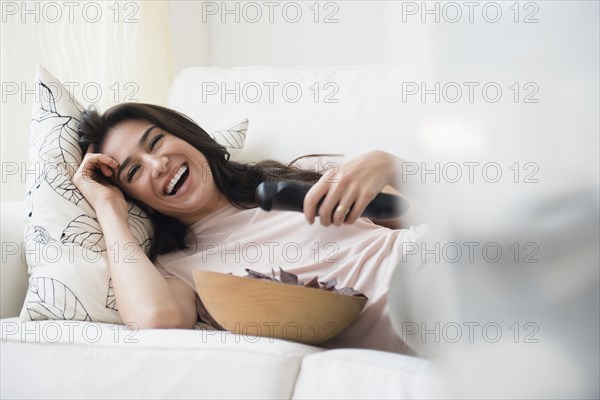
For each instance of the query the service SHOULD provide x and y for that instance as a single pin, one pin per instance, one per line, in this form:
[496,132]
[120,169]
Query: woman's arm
[144,297]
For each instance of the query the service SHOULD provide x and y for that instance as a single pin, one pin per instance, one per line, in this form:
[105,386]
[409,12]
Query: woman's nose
[158,165]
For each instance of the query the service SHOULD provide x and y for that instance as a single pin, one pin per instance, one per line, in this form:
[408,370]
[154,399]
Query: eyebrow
[141,144]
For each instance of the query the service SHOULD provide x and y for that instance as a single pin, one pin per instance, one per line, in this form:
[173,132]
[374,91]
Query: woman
[185,180]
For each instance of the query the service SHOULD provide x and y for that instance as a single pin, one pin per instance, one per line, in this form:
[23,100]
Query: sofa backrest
[13,269]
[299,111]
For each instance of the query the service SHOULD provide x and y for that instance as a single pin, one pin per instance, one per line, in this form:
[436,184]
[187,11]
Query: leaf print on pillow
[234,137]
[84,231]
[61,145]
[39,235]
[51,299]
[111,300]
[60,180]
[47,98]
[58,132]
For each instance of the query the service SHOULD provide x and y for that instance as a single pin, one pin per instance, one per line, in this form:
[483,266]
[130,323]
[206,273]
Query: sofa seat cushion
[367,374]
[78,359]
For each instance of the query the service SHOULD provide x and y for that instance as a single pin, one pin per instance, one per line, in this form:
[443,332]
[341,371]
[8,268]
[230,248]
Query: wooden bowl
[260,307]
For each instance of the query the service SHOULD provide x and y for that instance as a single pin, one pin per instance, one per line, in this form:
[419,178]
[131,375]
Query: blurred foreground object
[505,293]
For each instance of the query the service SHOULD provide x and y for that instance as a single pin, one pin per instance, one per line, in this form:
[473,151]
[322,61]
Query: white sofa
[339,110]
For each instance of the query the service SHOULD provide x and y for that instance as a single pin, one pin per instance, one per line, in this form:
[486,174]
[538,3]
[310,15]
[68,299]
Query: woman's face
[166,173]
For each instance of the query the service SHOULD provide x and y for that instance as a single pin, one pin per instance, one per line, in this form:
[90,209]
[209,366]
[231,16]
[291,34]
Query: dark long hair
[237,181]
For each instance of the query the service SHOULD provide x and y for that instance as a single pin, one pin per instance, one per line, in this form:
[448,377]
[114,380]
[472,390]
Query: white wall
[189,37]
[346,33]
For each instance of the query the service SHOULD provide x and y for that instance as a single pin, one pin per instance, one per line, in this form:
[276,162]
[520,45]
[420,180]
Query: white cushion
[108,361]
[367,374]
[301,111]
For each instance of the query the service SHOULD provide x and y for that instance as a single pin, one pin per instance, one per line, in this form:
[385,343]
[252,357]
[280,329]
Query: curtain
[105,52]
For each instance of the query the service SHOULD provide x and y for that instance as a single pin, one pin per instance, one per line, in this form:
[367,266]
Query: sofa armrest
[13,268]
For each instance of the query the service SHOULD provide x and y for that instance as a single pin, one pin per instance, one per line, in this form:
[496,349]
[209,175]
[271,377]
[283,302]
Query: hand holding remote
[289,196]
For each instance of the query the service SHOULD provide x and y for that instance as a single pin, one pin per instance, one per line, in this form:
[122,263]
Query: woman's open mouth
[177,181]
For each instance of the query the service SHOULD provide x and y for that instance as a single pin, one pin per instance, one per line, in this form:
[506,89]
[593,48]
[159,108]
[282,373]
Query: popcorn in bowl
[292,279]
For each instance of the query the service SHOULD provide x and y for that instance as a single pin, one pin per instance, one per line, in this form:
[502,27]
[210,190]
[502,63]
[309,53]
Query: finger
[90,149]
[87,172]
[93,161]
[359,207]
[105,170]
[329,203]
[312,198]
[343,208]
[111,162]
[103,158]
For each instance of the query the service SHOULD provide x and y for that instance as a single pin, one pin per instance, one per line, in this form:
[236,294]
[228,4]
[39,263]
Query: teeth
[175,179]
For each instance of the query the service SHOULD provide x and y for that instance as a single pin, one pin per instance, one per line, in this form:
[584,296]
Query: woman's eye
[131,173]
[154,141]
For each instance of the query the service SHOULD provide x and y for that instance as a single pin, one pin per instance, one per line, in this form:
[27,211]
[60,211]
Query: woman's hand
[97,191]
[346,192]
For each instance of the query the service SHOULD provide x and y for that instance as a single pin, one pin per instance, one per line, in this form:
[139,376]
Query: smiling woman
[150,144]
[206,216]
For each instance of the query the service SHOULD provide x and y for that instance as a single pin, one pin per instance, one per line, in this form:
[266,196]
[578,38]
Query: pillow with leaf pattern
[64,245]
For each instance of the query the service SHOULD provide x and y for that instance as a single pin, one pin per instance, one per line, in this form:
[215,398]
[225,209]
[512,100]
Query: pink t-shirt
[362,256]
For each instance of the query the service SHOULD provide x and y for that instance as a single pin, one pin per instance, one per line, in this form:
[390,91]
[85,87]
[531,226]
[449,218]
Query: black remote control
[289,196]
